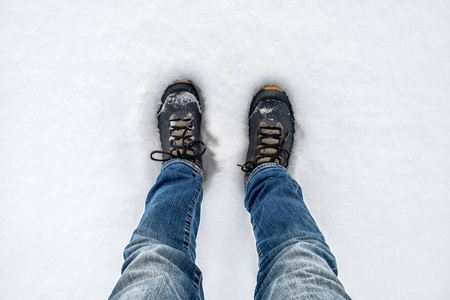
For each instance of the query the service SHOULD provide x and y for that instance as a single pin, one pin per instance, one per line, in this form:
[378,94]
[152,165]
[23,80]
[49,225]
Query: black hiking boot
[271,129]
[179,120]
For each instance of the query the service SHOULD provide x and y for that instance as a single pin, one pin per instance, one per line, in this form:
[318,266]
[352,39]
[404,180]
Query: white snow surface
[80,85]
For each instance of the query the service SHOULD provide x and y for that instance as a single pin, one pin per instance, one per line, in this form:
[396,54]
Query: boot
[271,129]
[179,120]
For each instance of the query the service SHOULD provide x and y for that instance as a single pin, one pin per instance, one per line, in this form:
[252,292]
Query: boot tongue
[181,135]
[180,152]
[265,148]
[266,160]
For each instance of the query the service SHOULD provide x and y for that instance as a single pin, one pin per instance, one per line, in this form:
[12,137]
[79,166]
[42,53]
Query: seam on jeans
[198,283]
[259,168]
[191,216]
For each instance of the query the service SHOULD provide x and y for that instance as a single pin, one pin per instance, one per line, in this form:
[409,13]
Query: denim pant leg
[294,260]
[160,258]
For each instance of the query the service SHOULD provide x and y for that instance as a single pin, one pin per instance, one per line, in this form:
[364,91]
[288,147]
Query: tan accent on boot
[264,124]
[270,131]
[272,87]
[178,143]
[180,123]
[268,141]
[182,81]
[266,159]
[269,151]
[180,133]
[188,152]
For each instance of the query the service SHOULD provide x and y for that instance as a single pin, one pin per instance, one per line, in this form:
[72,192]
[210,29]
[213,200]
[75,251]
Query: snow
[264,110]
[80,84]
[179,100]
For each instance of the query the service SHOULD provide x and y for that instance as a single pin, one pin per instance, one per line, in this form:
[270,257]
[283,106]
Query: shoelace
[183,142]
[270,148]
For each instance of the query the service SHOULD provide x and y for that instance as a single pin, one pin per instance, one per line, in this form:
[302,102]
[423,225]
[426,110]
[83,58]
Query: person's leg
[160,258]
[294,260]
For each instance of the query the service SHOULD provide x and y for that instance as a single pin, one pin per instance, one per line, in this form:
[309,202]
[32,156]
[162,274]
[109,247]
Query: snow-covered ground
[80,82]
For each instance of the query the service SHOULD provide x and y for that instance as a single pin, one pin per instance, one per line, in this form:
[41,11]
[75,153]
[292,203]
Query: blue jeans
[294,260]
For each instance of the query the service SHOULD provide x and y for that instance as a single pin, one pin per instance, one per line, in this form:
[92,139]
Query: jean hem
[262,167]
[184,161]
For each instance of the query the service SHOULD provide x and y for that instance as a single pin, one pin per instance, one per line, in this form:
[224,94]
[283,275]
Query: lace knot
[183,143]
[270,147]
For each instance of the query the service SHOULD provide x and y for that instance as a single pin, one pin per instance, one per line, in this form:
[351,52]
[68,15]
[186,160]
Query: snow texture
[264,110]
[179,100]
[80,84]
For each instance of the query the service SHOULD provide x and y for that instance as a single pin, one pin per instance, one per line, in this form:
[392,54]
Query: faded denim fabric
[294,260]
[160,258]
